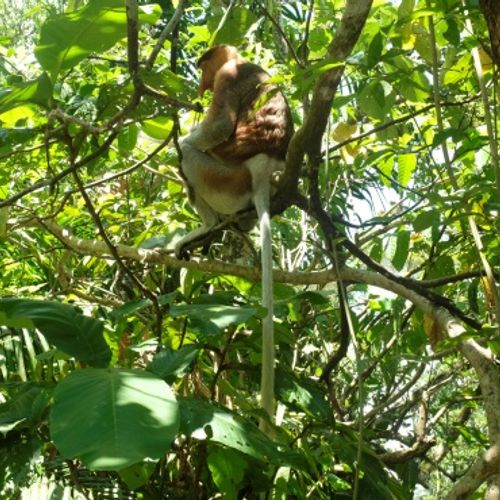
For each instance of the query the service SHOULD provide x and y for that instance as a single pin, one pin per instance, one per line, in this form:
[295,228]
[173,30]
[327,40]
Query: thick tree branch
[321,278]
[485,466]
[308,138]
[491,12]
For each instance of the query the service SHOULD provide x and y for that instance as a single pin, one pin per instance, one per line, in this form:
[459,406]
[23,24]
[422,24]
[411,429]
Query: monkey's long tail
[261,201]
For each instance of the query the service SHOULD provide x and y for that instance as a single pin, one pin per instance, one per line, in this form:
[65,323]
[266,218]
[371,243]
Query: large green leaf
[36,91]
[112,418]
[67,39]
[228,470]
[376,99]
[204,420]
[426,219]
[231,27]
[71,332]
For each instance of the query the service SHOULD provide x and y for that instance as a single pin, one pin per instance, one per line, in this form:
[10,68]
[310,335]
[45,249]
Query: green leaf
[36,91]
[376,99]
[16,461]
[303,394]
[406,167]
[169,364]
[127,138]
[71,332]
[10,139]
[405,9]
[172,84]
[227,468]
[204,420]
[316,298]
[415,88]
[111,419]
[402,250]
[443,266]
[375,50]
[425,220]
[137,475]
[306,78]
[25,406]
[219,314]
[67,39]
[376,250]
[158,128]
[236,24]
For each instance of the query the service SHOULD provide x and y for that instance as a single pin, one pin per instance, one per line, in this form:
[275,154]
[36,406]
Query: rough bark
[484,467]
[308,138]
[491,12]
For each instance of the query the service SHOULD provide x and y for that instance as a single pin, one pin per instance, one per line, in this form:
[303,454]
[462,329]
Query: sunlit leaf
[203,420]
[406,167]
[111,419]
[67,39]
[37,91]
[159,127]
[227,468]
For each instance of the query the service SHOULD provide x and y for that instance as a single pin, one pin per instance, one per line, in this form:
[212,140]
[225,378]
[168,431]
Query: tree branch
[321,278]
[167,31]
[484,467]
[308,138]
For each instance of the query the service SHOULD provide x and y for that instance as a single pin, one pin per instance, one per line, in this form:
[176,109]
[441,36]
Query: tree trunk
[491,12]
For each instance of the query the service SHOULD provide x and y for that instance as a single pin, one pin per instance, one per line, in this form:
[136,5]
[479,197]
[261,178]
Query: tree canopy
[127,372]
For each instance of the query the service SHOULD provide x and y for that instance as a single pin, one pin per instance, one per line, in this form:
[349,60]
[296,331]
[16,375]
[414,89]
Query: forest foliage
[127,373]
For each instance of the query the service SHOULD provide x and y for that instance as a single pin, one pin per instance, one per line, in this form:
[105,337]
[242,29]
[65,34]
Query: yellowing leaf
[344,131]
[489,292]
[433,331]
[485,59]
[407,36]
[10,118]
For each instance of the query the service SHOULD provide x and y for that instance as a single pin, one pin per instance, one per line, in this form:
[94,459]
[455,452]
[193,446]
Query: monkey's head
[211,61]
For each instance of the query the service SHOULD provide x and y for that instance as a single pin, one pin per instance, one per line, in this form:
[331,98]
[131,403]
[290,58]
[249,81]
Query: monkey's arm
[220,120]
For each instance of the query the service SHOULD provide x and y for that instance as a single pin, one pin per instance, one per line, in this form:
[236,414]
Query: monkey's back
[264,121]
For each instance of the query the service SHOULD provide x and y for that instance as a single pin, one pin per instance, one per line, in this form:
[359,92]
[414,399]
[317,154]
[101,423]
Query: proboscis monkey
[228,161]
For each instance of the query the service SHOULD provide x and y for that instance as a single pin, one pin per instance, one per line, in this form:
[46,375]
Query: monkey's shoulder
[240,77]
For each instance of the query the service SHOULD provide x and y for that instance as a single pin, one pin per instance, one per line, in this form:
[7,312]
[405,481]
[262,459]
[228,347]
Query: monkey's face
[211,62]
[207,77]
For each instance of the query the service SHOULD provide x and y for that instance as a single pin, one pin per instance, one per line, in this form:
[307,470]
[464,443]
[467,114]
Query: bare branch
[167,31]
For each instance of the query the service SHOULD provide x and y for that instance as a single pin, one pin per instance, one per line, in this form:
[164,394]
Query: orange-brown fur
[228,162]
[263,118]
[236,181]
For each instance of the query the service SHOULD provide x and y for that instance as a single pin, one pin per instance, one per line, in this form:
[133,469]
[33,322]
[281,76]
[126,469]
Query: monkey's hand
[184,248]
[181,251]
